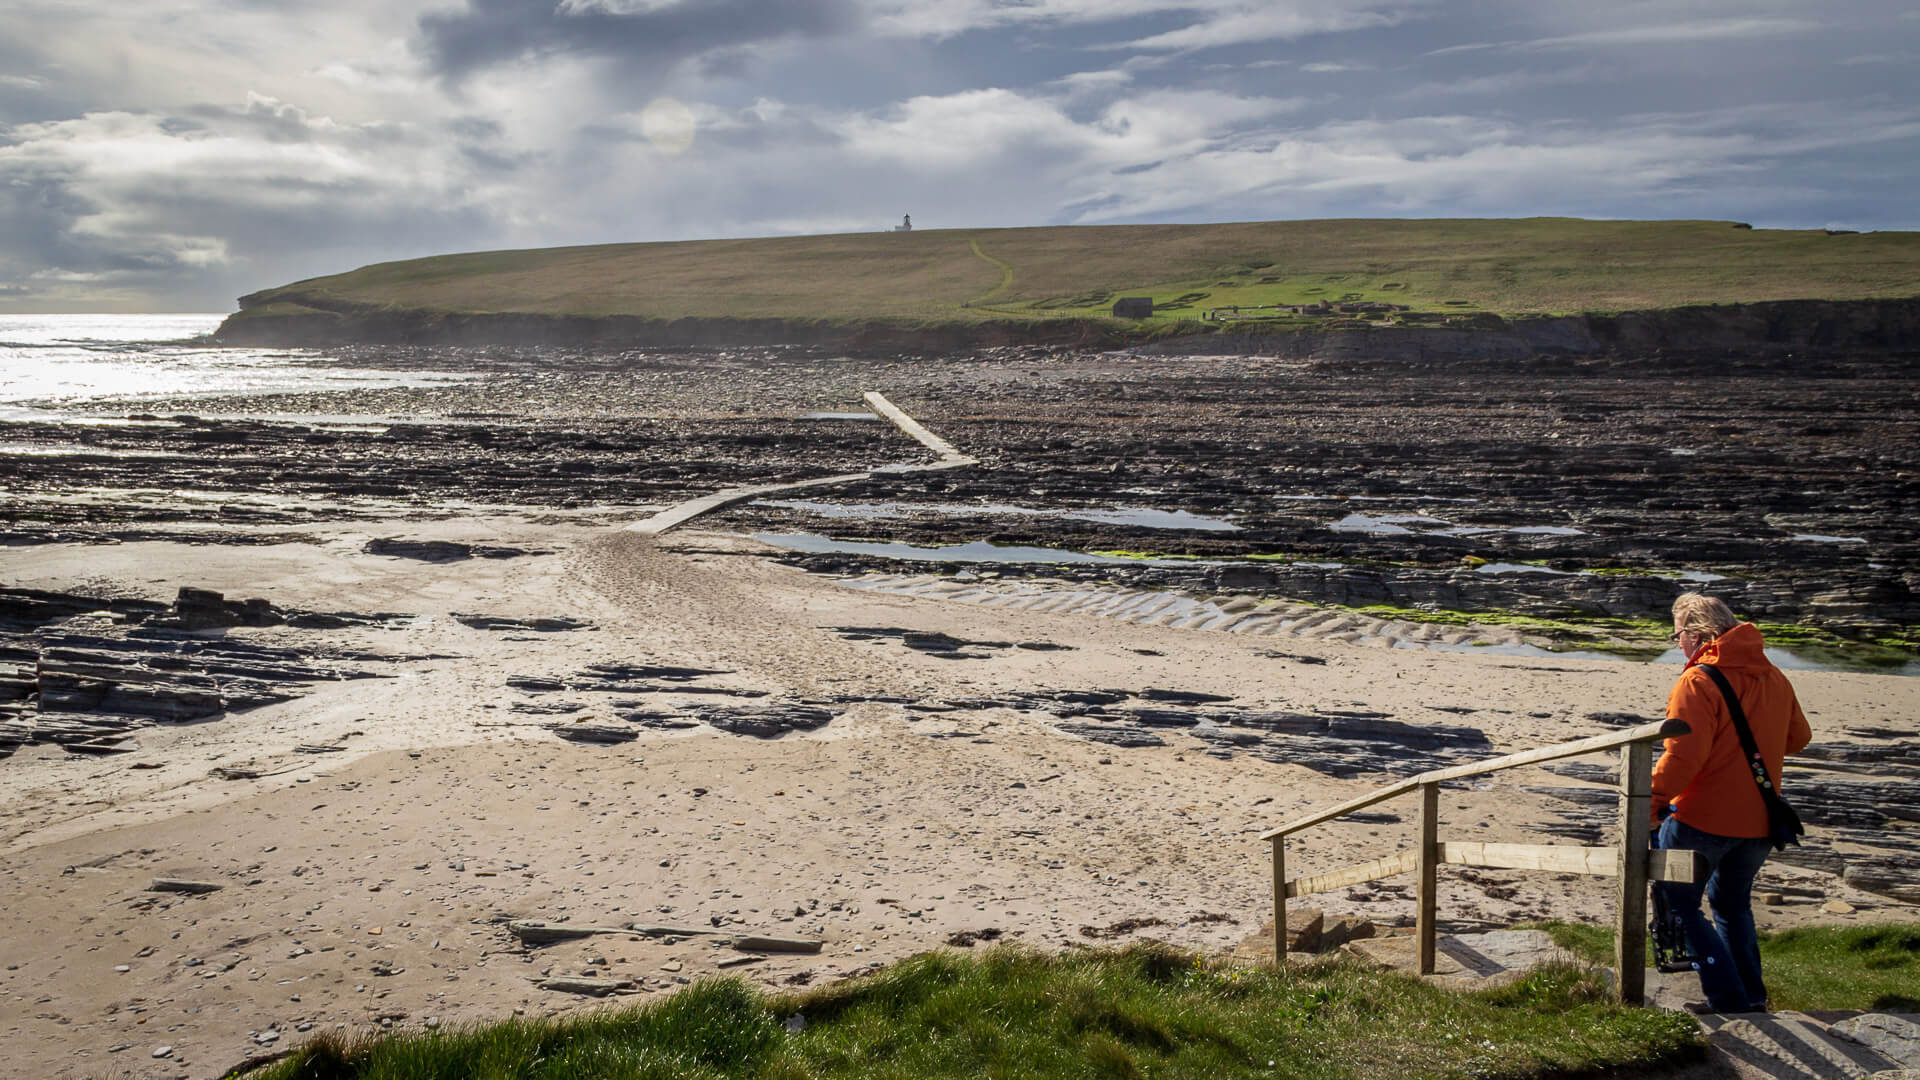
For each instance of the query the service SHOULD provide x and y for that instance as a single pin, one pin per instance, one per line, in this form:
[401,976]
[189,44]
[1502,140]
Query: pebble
[1837,907]
[162,1051]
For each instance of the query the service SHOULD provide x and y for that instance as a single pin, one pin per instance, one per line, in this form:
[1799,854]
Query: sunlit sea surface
[52,363]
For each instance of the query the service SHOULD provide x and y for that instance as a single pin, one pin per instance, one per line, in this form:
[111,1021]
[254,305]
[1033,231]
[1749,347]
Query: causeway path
[681,513]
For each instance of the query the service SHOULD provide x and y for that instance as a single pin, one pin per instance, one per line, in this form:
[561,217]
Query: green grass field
[1450,267]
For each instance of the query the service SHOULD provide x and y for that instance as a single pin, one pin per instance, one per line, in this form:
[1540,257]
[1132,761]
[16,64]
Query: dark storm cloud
[490,32]
[37,210]
[246,197]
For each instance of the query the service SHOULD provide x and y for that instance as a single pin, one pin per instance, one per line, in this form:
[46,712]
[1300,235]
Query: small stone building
[1133,307]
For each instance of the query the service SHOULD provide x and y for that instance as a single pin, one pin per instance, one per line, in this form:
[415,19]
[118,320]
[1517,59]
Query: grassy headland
[1437,270]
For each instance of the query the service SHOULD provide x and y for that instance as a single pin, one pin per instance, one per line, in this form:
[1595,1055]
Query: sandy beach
[926,803]
[367,887]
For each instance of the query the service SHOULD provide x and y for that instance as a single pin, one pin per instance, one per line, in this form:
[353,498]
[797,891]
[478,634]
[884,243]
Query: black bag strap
[1755,762]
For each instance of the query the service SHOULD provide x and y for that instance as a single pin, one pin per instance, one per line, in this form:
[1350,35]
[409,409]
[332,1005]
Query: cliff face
[1798,327]
[1801,327]
[307,324]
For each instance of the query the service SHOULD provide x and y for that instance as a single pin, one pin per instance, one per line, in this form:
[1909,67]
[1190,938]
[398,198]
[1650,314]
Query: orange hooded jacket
[1704,773]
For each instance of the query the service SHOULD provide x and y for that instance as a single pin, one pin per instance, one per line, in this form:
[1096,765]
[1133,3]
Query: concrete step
[1791,1046]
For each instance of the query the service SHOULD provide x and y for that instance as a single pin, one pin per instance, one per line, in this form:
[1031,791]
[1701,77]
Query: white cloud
[616,7]
[1501,83]
[945,18]
[1214,22]
[961,130]
[1268,23]
[1323,67]
[1171,121]
[1461,164]
[1681,33]
[1086,83]
[1650,34]
[65,277]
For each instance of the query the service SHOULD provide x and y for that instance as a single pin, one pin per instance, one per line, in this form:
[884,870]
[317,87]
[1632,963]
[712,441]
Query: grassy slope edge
[965,276]
[1146,1010]
[1009,1012]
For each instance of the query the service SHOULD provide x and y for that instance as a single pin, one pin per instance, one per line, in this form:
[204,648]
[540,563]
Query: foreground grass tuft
[1146,1011]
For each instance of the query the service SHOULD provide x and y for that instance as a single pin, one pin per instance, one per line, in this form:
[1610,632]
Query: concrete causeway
[681,513]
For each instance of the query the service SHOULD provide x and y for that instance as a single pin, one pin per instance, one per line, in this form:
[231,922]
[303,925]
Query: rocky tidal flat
[1582,491]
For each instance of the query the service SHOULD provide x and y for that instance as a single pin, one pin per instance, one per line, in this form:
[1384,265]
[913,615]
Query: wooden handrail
[1632,863]
[1659,730]
[1662,865]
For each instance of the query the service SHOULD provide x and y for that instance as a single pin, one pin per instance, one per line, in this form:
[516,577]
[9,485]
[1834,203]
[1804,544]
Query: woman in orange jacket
[1706,793]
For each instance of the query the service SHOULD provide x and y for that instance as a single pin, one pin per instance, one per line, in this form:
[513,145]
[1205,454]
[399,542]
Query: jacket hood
[1740,647]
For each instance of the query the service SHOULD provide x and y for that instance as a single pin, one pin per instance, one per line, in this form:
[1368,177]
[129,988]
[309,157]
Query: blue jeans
[1727,952]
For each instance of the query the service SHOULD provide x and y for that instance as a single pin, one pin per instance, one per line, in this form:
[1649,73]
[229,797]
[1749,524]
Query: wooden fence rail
[1631,862]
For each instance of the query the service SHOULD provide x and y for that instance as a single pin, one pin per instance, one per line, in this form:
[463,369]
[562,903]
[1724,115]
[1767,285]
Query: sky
[171,155]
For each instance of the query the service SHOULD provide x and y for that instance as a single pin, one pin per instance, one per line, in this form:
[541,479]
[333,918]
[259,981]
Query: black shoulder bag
[1783,825]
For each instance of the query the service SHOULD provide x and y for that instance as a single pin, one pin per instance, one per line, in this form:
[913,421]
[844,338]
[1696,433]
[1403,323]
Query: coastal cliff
[1805,327]
[297,324]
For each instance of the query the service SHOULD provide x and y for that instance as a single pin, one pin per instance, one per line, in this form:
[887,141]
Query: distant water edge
[51,363]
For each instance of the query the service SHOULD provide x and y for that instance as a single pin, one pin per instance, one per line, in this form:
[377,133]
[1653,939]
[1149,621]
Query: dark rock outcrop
[443,551]
[1334,742]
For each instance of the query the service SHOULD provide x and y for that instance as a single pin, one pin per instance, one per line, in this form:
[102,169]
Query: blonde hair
[1706,616]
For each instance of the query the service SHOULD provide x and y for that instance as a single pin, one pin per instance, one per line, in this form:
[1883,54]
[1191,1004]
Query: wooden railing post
[1279,901]
[1630,937]
[1427,849]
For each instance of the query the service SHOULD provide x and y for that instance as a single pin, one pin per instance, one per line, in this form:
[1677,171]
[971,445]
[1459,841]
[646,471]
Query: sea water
[51,364]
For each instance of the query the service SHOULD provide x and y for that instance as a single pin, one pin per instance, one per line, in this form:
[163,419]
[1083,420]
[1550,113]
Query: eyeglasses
[1678,634]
